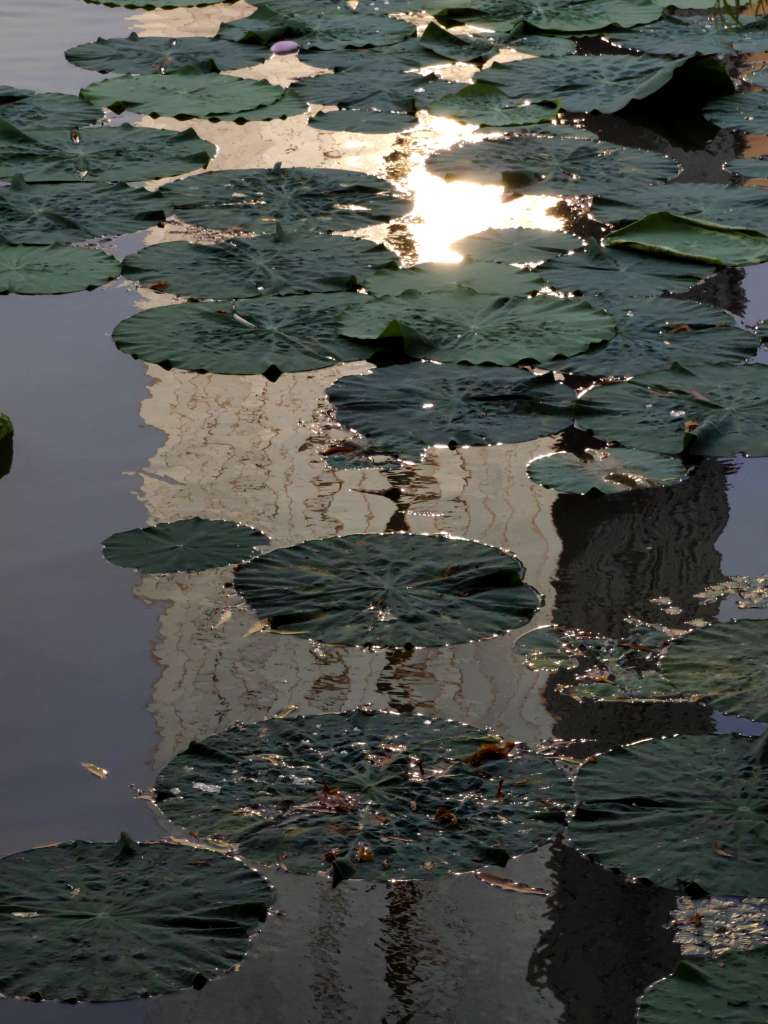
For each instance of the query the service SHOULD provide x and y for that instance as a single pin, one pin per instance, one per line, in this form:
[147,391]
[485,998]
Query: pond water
[102,665]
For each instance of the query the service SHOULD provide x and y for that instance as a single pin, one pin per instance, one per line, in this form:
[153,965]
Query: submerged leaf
[53,269]
[186,545]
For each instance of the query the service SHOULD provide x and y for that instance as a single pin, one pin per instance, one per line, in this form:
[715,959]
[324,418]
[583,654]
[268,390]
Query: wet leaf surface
[483,278]
[187,545]
[607,470]
[44,109]
[53,269]
[147,54]
[686,238]
[725,205]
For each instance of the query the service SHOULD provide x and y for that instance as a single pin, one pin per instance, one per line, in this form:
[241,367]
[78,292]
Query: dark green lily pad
[122,153]
[187,545]
[43,109]
[729,990]
[370,795]
[749,167]
[589,655]
[685,238]
[453,46]
[685,810]
[730,206]
[687,37]
[484,278]
[53,269]
[246,267]
[147,54]
[41,214]
[462,327]
[318,27]
[591,15]
[391,590]
[703,412]
[269,24]
[402,410]
[365,122]
[746,111]
[516,245]
[607,470]
[363,89]
[325,200]
[104,921]
[291,334]
[544,46]
[6,427]
[487,105]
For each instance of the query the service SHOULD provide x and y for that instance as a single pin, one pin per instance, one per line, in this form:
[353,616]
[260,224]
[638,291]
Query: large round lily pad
[103,921]
[669,234]
[483,278]
[607,470]
[146,54]
[722,411]
[724,205]
[462,327]
[730,990]
[282,265]
[402,410]
[53,269]
[315,198]
[592,15]
[692,809]
[319,27]
[44,109]
[41,214]
[374,795]
[516,245]
[390,590]
[484,104]
[121,153]
[290,334]
[366,122]
[186,545]
[674,36]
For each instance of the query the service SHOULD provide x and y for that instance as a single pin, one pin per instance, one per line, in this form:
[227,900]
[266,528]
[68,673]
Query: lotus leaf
[699,412]
[41,214]
[374,795]
[749,167]
[385,91]
[403,410]
[53,269]
[268,24]
[489,106]
[544,46]
[391,590]
[727,991]
[686,810]
[607,470]
[589,655]
[366,122]
[591,15]
[686,238]
[255,266]
[187,93]
[43,109]
[746,111]
[290,334]
[317,28]
[484,278]
[147,54]
[103,921]
[516,245]
[187,545]
[543,649]
[462,327]
[452,46]
[6,427]
[325,200]
[152,5]
[122,153]
[725,205]
[687,37]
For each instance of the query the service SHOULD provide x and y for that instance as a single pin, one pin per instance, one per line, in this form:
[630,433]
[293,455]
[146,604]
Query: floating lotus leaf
[53,269]
[391,590]
[484,278]
[187,545]
[729,990]
[462,327]
[452,46]
[544,46]
[688,810]
[188,93]
[269,24]
[146,54]
[591,15]
[318,28]
[325,200]
[374,795]
[704,412]
[386,92]
[41,214]
[724,205]
[152,5]
[290,334]
[618,279]
[44,109]
[103,921]
[122,153]
[543,649]
[489,106]
[690,239]
[255,266]
[403,410]
[749,167]
[366,122]
[6,427]
[516,245]
[687,37]
[746,111]
[607,470]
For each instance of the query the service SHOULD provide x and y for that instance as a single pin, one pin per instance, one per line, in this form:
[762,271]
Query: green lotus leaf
[6,427]
[366,122]
[544,46]
[489,106]
[607,470]
[686,37]
[317,198]
[749,167]
[597,665]
[618,279]
[372,795]
[152,5]
[746,111]
[731,989]
[591,15]
[187,545]
[386,91]
[122,153]
[452,46]
[104,921]
[516,245]
[290,334]
[543,650]
[53,269]
[317,28]
[41,214]
[731,206]
[146,54]
[402,410]
[686,238]
[391,590]
[484,278]
[44,109]
[247,267]
[462,327]
[688,810]
[185,93]
[699,412]
[266,25]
